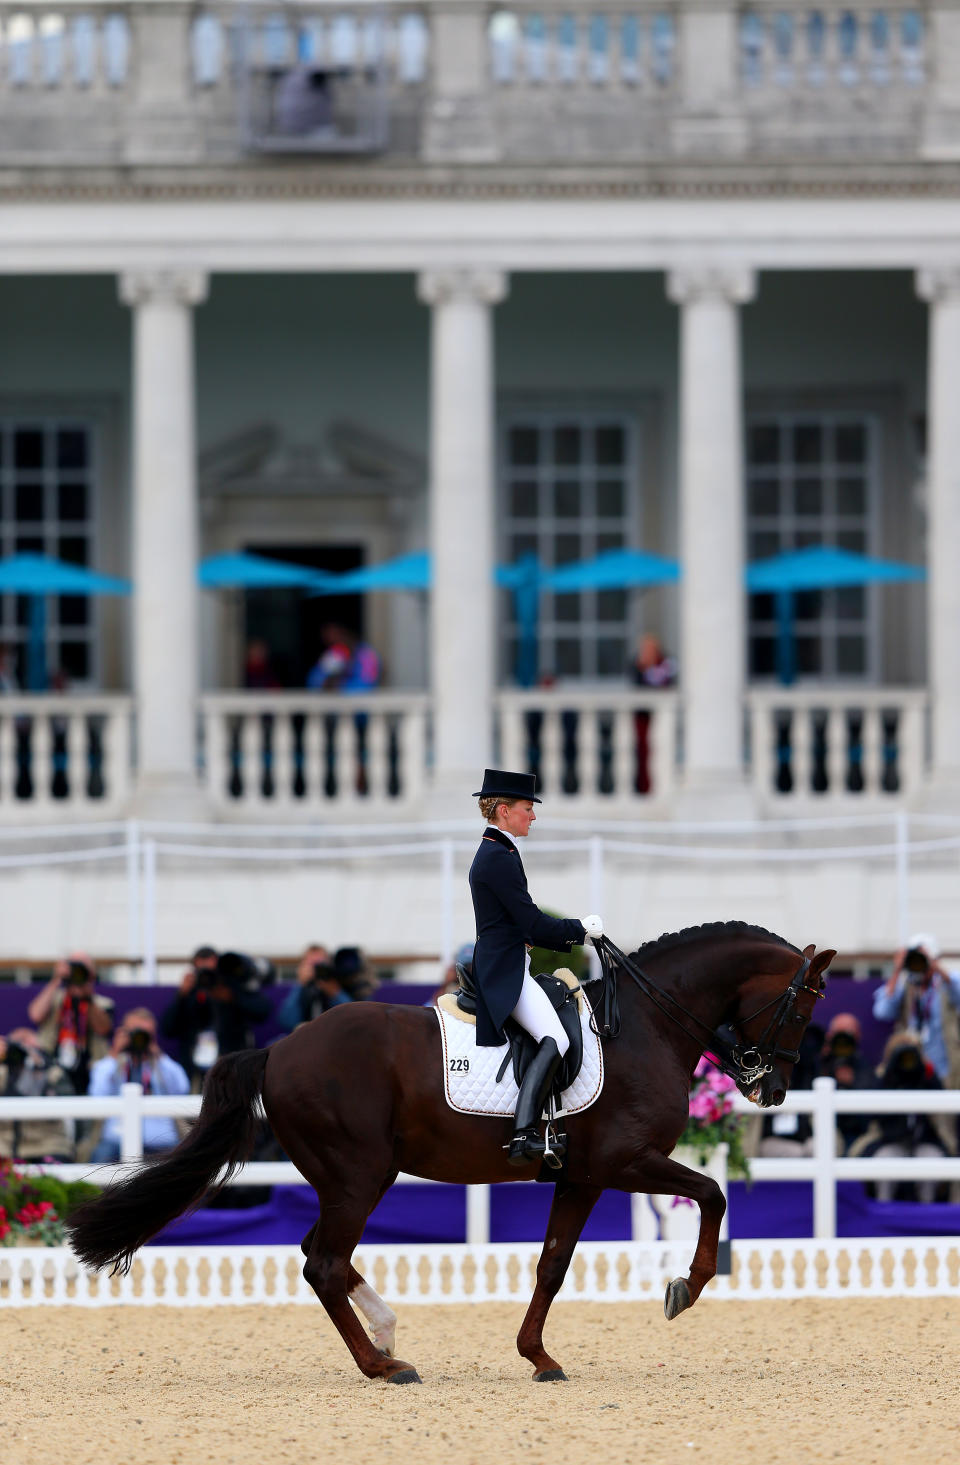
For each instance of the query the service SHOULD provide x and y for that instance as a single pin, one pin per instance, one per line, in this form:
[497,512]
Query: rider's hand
[593,926]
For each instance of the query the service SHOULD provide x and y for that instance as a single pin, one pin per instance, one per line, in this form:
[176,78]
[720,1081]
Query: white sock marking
[381,1318]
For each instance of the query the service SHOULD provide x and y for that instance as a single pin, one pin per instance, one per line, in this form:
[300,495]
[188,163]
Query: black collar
[498,837]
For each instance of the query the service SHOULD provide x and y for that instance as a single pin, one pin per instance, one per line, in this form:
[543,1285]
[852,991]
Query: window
[568,491]
[812,479]
[46,507]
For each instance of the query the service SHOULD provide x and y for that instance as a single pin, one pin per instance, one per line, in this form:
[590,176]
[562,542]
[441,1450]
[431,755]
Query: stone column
[712,596]
[165,615]
[462,603]
[941,287]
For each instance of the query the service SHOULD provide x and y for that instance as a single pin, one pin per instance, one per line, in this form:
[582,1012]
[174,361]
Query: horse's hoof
[550,1376]
[676,1298]
[405,1376]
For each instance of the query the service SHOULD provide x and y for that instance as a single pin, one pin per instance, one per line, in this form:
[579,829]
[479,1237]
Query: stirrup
[528,1145]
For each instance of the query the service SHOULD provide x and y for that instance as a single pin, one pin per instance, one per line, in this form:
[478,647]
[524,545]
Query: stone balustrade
[64,755]
[830,746]
[460,80]
[309,753]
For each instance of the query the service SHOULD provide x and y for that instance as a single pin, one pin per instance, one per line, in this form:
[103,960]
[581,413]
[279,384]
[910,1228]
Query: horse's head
[772,1012]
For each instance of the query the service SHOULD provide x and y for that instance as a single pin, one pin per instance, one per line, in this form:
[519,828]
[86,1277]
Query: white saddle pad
[470,1073]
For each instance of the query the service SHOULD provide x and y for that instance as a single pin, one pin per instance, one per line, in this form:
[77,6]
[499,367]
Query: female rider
[507,922]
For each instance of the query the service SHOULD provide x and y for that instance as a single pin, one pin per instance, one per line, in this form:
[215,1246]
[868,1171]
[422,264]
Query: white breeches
[535,1013]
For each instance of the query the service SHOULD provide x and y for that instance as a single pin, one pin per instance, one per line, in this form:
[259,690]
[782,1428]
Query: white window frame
[49,530]
[791,526]
[545,526]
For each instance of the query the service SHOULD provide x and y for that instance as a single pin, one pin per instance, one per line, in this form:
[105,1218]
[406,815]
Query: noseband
[746,1062]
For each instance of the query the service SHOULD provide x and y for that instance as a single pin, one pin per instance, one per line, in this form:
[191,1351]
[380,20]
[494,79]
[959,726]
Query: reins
[746,1064]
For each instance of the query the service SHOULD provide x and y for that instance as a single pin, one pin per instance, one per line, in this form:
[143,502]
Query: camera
[240,971]
[16,1055]
[916,962]
[79,974]
[139,1041]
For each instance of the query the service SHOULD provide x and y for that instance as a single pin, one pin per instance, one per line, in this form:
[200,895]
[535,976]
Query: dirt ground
[732,1383]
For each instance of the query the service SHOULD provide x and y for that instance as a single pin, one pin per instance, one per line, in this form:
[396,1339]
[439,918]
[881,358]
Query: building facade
[337,284]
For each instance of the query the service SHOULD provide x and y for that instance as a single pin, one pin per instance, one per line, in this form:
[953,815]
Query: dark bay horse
[356,1096]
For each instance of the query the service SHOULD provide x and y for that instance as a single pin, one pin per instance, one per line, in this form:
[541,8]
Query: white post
[478,1215]
[712,596]
[461,521]
[165,536]
[941,287]
[447,947]
[149,911]
[903,877]
[131,1123]
[825,1154]
[133,890]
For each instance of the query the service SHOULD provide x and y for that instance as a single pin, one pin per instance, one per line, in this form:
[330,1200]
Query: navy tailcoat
[507,920]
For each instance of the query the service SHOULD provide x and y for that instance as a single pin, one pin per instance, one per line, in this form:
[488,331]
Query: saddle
[521,1046]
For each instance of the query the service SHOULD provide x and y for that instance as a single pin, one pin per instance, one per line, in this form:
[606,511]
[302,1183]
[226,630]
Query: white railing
[836,746]
[601,1271]
[314,752]
[592,748]
[64,754]
[824,1168]
[791,49]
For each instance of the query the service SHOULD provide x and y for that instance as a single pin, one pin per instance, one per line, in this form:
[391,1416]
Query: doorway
[290,620]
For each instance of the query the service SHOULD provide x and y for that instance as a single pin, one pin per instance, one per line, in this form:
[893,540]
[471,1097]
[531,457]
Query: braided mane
[671,939]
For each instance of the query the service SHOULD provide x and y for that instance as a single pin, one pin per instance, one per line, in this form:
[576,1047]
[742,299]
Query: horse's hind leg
[330,1274]
[381,1319]
[658,1174]
[572,1205]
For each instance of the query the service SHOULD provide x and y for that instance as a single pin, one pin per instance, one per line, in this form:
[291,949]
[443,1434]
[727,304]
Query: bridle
[746,1061]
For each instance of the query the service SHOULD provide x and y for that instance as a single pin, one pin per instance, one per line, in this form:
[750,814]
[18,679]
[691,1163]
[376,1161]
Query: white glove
[593,926]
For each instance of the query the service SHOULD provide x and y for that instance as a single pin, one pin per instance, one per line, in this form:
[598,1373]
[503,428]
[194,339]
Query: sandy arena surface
[752,1383]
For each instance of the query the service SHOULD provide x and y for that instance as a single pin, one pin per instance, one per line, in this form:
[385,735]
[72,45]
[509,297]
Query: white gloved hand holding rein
[593,926]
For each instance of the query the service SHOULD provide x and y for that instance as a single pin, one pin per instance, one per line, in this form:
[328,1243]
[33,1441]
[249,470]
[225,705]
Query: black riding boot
[527,1143]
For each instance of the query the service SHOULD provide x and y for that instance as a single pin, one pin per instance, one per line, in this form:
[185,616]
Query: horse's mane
[671,939]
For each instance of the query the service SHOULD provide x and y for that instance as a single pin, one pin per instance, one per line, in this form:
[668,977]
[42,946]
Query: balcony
[113,84]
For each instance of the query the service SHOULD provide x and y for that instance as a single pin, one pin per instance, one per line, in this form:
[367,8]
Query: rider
[507,920]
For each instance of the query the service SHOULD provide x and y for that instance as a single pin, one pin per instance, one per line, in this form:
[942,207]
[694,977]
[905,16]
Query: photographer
[894,1135]
[319,987]
[135,1057]
[923,996]
[26,1072]
[842,1060]
[74,1022]
[216,1007]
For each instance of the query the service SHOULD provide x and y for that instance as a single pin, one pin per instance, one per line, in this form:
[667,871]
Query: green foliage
[33,1207]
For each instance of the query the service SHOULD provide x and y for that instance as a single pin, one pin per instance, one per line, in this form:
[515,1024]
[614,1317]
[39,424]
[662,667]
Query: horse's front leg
[655,1174]
[572,1205]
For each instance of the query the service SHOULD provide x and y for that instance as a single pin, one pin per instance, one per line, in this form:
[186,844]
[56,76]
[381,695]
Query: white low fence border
[601,1271]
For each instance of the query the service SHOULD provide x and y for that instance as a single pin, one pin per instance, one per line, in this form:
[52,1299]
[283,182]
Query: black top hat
[498,784]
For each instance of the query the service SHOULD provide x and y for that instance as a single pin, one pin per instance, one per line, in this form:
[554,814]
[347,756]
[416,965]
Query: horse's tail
[107,1231]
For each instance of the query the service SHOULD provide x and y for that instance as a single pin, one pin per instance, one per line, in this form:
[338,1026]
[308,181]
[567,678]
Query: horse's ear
[809,950]
[821,961]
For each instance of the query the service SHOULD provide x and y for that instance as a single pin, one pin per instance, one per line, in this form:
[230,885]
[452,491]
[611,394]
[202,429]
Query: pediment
[349,460]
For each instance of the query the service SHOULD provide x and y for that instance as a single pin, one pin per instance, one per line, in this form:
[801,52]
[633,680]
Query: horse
[356,1096]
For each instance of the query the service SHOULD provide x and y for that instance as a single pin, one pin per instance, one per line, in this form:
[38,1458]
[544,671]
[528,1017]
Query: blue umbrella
[817,567]
[38,576]
[524,578]
[256,571]
[406,572]
[614,569]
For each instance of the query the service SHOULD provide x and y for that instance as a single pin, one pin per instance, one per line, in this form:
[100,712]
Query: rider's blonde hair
[489,805]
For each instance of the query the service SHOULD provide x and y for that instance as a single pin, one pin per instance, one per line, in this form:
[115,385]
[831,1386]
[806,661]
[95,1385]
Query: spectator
[27,1072]
[356,978]
[891,1135]
[136,1058]
[8,674]
[258,673]
[650,668]
[214,1012]
[918,996]
[319,987]
[332,666]
[74,1021]
[842,1060]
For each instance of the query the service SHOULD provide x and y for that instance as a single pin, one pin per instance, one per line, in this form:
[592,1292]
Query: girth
[522,1045]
